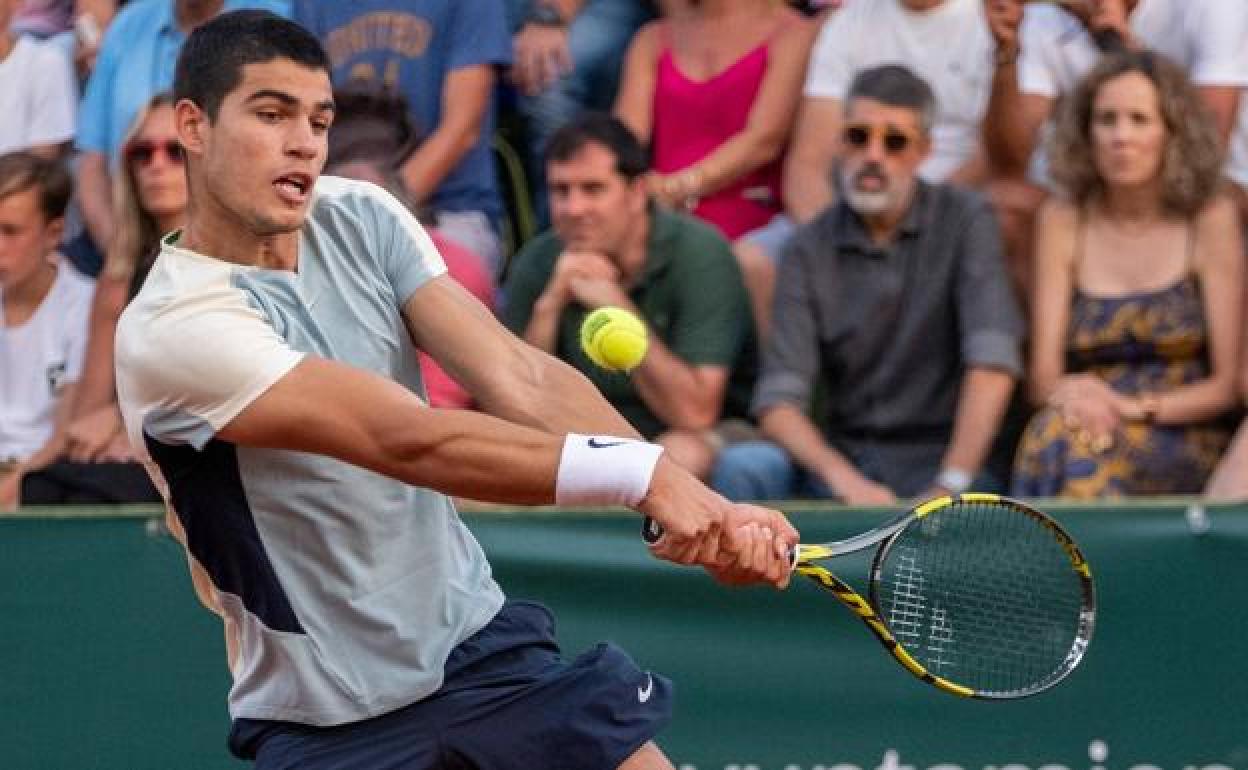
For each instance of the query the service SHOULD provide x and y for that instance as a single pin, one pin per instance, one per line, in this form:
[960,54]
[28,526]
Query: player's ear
[191,123]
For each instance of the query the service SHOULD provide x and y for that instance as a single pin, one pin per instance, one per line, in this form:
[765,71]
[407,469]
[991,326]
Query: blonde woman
[150,200]
[1136,307]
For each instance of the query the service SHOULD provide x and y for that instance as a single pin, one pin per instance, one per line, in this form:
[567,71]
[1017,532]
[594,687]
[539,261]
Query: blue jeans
[597,40]
[761,470]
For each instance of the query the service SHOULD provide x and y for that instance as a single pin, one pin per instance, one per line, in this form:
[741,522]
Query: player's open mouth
[293,188]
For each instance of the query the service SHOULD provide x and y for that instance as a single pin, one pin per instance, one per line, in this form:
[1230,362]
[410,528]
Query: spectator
[1042,54]
[135,62]
[897,296]
[371,138]
[1136,316]
[45,305]
[566,59]
[37,92]
[611,246]
[442,55]
[738,66]
[946,40]
[98,464]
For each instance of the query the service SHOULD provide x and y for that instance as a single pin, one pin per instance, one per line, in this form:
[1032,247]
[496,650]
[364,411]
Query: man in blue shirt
[443,56]
[136,61]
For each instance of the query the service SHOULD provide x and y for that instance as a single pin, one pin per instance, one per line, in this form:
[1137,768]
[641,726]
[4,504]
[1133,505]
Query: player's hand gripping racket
[979,595]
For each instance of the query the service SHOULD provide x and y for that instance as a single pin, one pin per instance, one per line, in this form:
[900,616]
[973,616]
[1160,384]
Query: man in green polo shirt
[611,246]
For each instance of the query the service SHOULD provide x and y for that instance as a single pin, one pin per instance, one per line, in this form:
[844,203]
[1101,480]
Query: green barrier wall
[108,661]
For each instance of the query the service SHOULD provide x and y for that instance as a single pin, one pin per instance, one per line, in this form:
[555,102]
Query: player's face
[882,147]
[593,207]
[27,240]
[156,161]
[1127,131]
[261,156]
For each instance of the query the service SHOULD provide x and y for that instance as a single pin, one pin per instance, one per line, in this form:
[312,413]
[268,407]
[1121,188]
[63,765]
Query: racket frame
[867,609]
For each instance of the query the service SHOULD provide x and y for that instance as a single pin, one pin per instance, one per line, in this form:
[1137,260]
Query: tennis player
[268,370]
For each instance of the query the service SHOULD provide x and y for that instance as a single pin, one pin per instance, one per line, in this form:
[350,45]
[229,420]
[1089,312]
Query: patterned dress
[1148,342]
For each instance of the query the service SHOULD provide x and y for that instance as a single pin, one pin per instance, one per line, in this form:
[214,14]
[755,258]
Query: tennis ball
[614,339]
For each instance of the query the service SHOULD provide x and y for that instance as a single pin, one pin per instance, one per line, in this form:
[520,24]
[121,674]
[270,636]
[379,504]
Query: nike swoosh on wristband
[594,443]
[643,693]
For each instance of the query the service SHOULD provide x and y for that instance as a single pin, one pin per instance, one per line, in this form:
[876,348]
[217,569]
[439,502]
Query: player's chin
[280,222]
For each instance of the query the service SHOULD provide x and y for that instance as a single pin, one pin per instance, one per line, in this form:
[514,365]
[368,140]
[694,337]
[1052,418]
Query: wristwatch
[545,15]
[955,480]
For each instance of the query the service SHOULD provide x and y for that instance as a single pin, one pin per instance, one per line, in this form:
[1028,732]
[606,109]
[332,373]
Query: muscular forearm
[95,197]
[526,399]
[982,401]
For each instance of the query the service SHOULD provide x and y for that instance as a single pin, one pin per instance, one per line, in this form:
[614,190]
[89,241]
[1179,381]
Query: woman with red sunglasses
[150,197]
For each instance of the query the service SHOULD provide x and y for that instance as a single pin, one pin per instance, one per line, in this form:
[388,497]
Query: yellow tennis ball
[614,339]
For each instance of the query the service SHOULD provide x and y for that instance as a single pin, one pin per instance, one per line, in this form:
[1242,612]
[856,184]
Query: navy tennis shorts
[509,700]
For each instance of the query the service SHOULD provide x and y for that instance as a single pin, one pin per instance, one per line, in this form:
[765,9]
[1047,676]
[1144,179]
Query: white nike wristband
[604,470]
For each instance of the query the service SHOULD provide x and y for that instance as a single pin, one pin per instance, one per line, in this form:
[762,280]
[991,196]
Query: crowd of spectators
[884,248]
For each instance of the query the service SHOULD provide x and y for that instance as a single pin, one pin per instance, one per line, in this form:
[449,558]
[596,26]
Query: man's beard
[869,202]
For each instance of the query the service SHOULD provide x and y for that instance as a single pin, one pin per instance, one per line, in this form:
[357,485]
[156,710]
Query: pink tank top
[692,118]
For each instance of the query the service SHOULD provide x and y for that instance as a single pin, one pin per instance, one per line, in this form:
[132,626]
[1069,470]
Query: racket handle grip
[652,532]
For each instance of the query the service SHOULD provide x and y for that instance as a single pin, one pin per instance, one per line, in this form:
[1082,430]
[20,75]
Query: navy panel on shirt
[208,496]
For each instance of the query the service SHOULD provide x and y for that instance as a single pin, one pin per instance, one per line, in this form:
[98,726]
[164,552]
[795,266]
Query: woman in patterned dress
[1136,308]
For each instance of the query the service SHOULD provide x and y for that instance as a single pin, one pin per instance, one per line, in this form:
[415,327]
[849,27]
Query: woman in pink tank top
[714,90]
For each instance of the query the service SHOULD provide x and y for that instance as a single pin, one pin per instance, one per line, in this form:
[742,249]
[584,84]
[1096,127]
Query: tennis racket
[978,595]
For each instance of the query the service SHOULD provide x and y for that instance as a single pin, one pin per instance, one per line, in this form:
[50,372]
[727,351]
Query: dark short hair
[599,128]
[212,59]
[22,171]
[895,86]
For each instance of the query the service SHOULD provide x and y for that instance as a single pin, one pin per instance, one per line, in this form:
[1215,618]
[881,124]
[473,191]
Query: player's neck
[229,240]
[22,299]
[7,41]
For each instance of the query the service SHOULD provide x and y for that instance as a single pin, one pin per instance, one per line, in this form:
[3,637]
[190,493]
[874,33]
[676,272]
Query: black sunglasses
[142,152]
[859,136]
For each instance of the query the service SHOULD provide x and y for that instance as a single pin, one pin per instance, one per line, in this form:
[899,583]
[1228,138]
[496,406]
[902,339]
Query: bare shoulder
[1218,215]
[1219,235]
[796,31]
[647,40]
[1058,211]
[1057,226]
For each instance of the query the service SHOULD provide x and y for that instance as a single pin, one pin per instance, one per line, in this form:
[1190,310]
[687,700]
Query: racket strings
[983,595]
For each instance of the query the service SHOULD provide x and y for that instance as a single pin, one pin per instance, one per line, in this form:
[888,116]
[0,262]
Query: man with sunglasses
[895,299]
